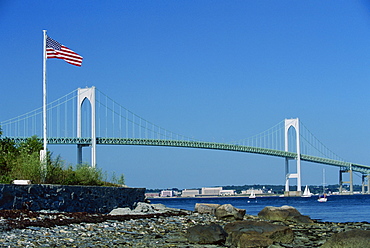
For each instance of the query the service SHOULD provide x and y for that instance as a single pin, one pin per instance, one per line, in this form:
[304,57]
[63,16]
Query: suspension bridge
[87,117]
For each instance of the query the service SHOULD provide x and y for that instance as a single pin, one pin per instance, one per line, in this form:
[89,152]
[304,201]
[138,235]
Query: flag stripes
[56,50]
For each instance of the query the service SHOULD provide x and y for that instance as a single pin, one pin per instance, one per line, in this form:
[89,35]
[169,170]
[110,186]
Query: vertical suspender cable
[120,121]
[106,117]
[126,124]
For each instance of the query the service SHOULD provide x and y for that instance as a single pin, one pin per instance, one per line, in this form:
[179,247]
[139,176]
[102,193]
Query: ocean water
[338,208]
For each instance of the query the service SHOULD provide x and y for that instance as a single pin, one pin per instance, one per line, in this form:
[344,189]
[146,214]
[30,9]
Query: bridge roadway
[365,169]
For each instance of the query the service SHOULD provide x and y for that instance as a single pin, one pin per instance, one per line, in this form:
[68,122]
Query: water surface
[338,208]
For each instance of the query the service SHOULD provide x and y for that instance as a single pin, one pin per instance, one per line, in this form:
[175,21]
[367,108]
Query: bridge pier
[79,153]
[89,94]
[350,182]
[364,191]
[295,124]
[286,174]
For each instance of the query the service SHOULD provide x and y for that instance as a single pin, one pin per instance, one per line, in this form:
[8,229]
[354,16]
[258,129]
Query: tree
[8,155]
[31,145]
[22,161]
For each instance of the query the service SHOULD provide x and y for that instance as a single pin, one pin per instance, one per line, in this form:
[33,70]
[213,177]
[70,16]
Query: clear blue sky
[212,70]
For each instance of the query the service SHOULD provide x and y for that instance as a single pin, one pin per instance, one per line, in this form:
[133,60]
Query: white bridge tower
[294,123]
[88,94]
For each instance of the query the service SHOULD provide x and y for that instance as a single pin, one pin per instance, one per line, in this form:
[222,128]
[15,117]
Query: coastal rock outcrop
[225,211]
[228,211]
[146,208]
[249,239]
[284,213]
[206,234]
[349,239]
[48,228]
[250,233]
[206,208]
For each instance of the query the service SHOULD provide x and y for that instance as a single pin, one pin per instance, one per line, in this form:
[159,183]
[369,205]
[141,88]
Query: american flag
[56,50]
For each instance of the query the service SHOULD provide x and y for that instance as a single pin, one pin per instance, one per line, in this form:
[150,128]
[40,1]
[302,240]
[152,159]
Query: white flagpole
[43,152]
[44,91]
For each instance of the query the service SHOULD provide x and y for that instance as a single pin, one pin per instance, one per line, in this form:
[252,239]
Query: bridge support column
[363,184]
[295,124]
[340,181]
[365,188]
[350,182]
[89,94]
[79,154]
[286,174]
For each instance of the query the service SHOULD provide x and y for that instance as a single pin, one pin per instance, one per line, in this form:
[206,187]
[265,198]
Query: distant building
[152,195]
[190,192]
[166,193]
[227,192]
[249,191]
[211,191]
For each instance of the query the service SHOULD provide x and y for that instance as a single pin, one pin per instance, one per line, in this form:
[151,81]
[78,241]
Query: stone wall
[91,199]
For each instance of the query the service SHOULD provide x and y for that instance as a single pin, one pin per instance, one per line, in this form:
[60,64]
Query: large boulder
[121,211]
[206,208]
[349,239]
[206,234]
[284,213]
[228,211]
[257,233]
[249,239]
[145,208]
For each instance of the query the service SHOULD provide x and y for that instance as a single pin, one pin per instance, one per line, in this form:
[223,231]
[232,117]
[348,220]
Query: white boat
[306,192]
[322,198]
[253,195]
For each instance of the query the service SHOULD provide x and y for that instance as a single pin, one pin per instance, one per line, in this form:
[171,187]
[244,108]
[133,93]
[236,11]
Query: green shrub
[118,180]
[22,161]
[87,175]
[28,167]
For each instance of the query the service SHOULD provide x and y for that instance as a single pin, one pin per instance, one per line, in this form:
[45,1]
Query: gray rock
[274,232]
[349,239]
[159,207]
[121,211]
[144,208]
[253,239]
[206,234]
[206,208]
[284,213]
[227,211]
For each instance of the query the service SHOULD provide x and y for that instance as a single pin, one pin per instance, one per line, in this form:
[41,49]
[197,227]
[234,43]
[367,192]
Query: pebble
[153,232]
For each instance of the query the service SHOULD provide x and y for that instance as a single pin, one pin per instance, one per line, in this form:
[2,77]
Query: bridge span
[109,123]
[203,145]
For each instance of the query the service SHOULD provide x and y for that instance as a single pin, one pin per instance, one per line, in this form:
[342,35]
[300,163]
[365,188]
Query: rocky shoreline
[158,226]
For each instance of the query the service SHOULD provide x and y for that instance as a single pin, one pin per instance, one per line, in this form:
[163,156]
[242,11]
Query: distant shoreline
[241,196]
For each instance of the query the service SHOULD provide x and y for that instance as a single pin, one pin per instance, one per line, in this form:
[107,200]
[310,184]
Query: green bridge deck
[202,145]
